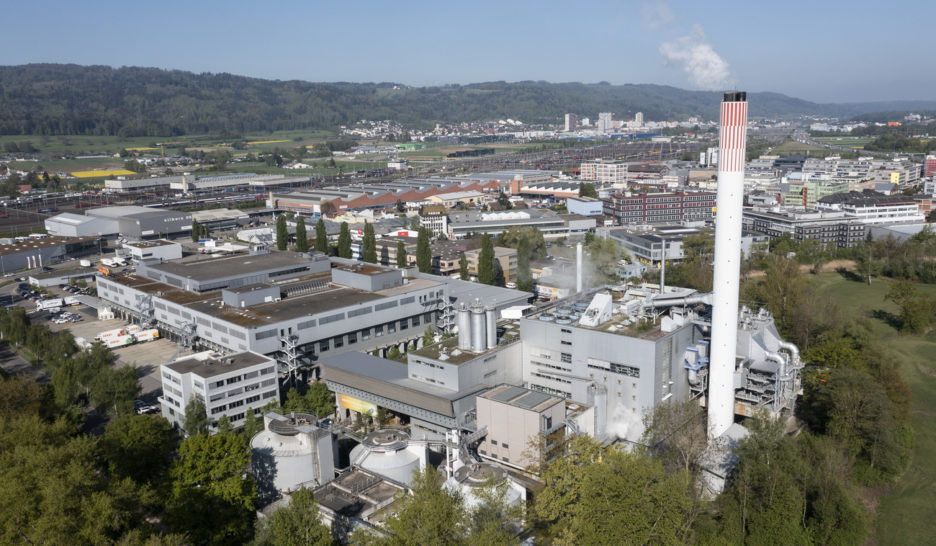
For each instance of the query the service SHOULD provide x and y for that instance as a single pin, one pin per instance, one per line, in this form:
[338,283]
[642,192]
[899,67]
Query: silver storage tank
[463,322]
[478,331]
[491,318]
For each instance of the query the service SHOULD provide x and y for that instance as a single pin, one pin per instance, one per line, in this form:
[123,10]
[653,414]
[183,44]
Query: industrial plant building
[35,252]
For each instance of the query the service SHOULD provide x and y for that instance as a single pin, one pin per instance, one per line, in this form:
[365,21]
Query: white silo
[478,330]
[463,321]
[490,316]
[469,478]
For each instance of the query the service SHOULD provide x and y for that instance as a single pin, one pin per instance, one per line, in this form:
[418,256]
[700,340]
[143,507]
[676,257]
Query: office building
[655,208]
[834,228]
[571,123]
[870,207]
[505,261]
[227,385]
[434,218]
[604,171]
[605,122]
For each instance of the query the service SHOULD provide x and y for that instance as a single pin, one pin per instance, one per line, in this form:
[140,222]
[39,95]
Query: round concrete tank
[388,452]
[478,331]
[470,478]
[463,322]
[491,319]
[283,457]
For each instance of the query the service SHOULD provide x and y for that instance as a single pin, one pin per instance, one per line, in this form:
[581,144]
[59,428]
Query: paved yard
[146,356]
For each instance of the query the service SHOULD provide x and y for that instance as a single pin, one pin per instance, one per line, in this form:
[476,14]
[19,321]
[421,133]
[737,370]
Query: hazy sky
[821,50]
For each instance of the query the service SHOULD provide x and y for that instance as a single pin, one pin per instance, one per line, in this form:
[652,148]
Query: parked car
[142,408]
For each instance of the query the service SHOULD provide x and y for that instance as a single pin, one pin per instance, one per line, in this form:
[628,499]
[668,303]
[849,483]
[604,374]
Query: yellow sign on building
[359,406]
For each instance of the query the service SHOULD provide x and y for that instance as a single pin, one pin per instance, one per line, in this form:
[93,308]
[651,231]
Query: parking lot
[146,356]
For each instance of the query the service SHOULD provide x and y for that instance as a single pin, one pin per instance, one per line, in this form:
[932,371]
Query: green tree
[212,492]
[393,353]
[196,230]
[315,398]
[196,418]
[224,425]
[344,241]
[321,238]
[282,232]
[463,272]
[252,424]
[302,241]
[587,189]
[369,244]
[428,337]
[114,389]
[296,524]
[916,310]
[524,276]
[432,514]
[401,258]
[423,251]
[487,269]
[140,447]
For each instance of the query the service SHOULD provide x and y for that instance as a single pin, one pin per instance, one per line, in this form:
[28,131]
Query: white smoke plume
[656,15]
[705,68]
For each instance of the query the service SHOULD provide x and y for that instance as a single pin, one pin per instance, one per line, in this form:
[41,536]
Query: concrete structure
[731,145]
[390,454]
[434,218]
[35,252]
[159,249]
[228,385]
[870,207]
[585,206]
[517,419]
[654,208]
[505,261]
[571,123]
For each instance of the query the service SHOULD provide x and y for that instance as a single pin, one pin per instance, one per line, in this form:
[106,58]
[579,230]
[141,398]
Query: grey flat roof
[216,366]
[521,397]
[218,268]
[389,379]
[467,291]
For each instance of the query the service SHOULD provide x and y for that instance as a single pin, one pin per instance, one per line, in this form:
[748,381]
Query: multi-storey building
[571,122]
[609,172]
[434,218]
[505,258]
[229,385]
[826,227]
[929,168]
[805,191]
[656,208]
[605,122]
[870,207]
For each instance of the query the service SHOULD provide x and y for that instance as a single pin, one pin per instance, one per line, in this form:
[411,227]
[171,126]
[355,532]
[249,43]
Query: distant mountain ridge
[131,101]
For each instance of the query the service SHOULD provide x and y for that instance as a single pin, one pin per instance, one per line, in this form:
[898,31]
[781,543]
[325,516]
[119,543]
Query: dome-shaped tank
[291,452]
[467,479]
[388,452]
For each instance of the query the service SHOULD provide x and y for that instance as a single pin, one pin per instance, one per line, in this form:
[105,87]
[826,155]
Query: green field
[905,516]
[851,142]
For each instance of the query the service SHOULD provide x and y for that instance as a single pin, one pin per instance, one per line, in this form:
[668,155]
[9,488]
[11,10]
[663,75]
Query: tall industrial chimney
[578,268]
[728,209]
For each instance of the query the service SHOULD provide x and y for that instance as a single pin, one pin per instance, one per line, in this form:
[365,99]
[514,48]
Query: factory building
[35,252]
[159,249]
[228,385]
[511,413]
[657,243]
[553,226]
[585,206]
[131,222]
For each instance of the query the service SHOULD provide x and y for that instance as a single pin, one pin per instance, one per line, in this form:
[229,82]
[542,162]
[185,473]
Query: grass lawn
[852,142]
[906,515]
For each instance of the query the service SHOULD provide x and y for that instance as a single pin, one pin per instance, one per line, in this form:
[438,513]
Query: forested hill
[72,99]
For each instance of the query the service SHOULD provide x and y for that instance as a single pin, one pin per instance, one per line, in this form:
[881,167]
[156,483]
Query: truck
[49,304]
[72,300]
[109,334]
[143,336]
[84,263]
[118,341]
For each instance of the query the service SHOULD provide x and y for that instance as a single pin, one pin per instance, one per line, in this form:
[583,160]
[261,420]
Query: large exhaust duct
[578,268]
[729,202]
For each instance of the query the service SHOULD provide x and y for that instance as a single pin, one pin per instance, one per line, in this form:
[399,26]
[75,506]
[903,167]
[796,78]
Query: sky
[819,50]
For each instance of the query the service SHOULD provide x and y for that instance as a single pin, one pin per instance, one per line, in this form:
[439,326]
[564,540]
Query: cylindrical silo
[478,331]
[463,322]
[491,318]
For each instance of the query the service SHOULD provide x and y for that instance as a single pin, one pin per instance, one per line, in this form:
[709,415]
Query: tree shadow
[889,318]
[263,465]
[849,275]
